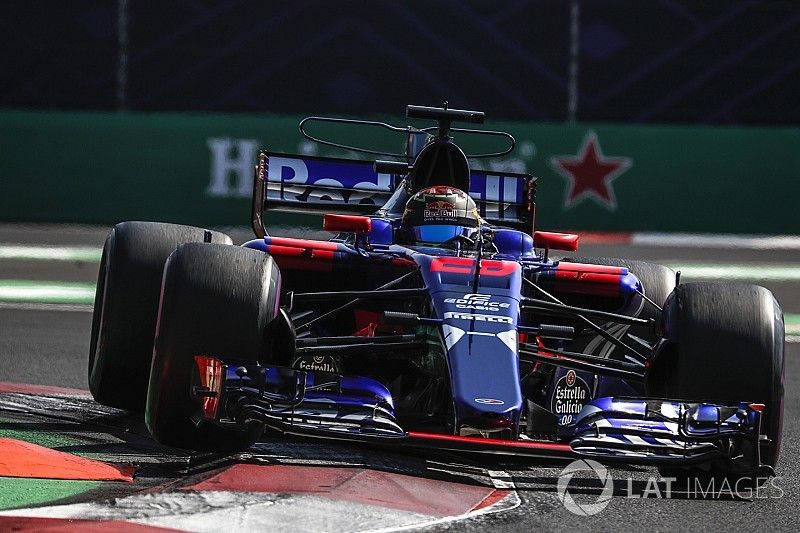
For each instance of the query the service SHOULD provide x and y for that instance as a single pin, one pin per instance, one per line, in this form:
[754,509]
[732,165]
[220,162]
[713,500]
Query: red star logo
[590,173]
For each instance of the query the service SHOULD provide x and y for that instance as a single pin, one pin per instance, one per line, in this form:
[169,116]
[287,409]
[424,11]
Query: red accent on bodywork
[554,356]
[588,283]
[544,353]
[535,445]
[555,241]
[497,268]
[406,263]
[347,223]
[289,251]
[324,255]
[368,319]
[585,267]
[465,265]
[540,344]
[579,278]
[211,378]
[367,331]
[456,265]
[301,243]
[293,258]
[365,318]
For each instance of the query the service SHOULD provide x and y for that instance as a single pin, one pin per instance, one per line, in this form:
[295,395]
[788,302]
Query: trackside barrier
[191,168]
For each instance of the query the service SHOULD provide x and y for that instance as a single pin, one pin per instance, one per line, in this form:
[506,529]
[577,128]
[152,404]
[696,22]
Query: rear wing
[301,183]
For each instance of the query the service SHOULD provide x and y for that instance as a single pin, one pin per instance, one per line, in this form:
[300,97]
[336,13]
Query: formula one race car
[435,318]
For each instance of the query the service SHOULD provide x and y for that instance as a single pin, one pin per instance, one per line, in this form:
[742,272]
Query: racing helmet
[438,214]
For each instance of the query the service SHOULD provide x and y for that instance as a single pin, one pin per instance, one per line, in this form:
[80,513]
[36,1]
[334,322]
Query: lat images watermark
[585,508]
[587,503]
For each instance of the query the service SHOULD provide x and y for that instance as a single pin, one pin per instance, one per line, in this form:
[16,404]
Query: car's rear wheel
[726,345]
[125,307]
[216,301]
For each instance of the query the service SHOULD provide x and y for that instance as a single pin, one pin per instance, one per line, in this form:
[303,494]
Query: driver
[439,214]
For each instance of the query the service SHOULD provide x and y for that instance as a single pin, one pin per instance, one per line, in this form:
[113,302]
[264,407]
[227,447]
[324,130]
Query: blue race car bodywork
[491,346]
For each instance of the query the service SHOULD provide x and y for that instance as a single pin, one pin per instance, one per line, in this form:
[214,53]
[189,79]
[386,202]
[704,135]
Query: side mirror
[556,241]
[347,223]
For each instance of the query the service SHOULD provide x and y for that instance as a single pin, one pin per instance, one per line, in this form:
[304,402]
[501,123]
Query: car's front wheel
[216,301]
[726,344]
[126,304]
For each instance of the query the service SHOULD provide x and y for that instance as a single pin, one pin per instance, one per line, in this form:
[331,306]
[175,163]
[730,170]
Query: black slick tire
[125,307]
[727,345]
[216,301]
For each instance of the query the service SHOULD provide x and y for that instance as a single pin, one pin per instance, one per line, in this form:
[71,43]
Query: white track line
[19,306]
[32,252]
[713,240]
[46,292]
[736,271]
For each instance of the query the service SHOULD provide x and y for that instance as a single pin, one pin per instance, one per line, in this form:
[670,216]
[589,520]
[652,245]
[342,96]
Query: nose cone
[478,303]
[488,414]
[484,373]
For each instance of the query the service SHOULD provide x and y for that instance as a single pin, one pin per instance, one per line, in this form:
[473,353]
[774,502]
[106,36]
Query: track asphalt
[48,344]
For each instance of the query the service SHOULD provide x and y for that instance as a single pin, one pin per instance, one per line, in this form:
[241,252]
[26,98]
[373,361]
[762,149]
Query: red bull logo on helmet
[439,210]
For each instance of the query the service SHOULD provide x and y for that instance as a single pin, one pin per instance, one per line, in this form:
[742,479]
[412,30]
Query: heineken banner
[198,169]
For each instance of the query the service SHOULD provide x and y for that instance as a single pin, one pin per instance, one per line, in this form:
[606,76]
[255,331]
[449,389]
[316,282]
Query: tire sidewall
[726,344]
[186,329]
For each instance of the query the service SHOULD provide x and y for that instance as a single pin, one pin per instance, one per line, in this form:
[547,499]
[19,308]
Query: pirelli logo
[480,318]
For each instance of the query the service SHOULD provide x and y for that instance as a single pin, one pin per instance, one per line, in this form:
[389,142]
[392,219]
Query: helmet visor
[437,234]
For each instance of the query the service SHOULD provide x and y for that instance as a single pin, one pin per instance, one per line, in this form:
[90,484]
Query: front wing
[630,430]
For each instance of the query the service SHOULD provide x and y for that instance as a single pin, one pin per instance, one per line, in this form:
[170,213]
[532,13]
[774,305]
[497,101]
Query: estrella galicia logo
[590,508]
[571,393]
